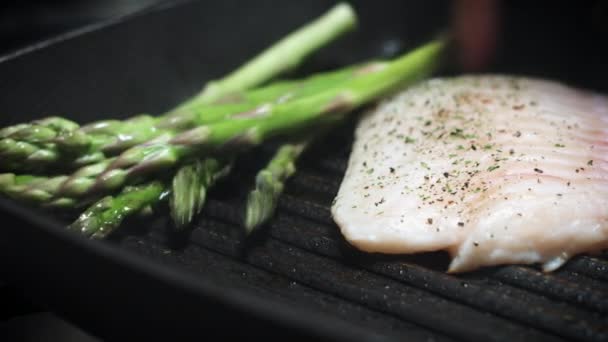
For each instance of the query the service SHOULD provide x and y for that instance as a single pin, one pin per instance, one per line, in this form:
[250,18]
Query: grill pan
[296,277]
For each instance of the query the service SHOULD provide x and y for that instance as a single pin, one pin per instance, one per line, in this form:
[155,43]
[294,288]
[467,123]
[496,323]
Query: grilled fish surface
[494,169]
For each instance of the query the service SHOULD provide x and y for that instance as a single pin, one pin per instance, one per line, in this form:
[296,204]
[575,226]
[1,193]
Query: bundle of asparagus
[118,168]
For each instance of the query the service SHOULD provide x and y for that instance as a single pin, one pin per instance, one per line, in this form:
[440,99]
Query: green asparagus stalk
[43,190]
[76,183]
[269,184]
[39,145]
[249,130]
[183,211]
[93,142]
[190,185]
[286,54]
[107,214]
[274,93]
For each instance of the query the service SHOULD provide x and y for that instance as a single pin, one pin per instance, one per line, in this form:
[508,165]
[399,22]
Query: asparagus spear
[108,213]
[189,188]
[183,211]
[406,69]
[43,190]
[286,53]
[38,145]
[249,130]
[292,49]
[276,92]
[80,181]
[269,184]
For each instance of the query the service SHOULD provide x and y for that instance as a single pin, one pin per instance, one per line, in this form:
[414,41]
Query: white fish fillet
[493,169]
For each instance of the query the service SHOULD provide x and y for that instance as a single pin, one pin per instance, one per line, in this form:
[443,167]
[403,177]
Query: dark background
[27,22]
[566,40]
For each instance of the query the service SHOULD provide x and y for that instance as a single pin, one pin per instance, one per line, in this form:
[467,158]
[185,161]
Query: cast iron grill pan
[295,277]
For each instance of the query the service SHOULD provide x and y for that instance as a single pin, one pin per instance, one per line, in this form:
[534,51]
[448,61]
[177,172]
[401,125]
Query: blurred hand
[475,24]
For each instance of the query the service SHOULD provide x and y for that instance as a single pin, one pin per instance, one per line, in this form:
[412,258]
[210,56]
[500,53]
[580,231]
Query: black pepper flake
[517,134]
[460,224]
[429,220]
[590,163]
[446,174]
[379,202]
[476,244]
[392,169]
[538,170]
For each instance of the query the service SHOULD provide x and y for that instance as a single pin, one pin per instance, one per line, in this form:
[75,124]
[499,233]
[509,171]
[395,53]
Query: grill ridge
[341,280]
[227,268]
[502,300]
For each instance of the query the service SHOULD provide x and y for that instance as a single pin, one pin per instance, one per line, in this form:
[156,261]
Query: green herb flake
[425,165]
[560,145]
[457,133]
[409,140]
[493,167]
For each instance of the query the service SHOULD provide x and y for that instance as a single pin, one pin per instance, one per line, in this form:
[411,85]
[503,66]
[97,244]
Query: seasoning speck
[429,220]
[538,170]
[493,167]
